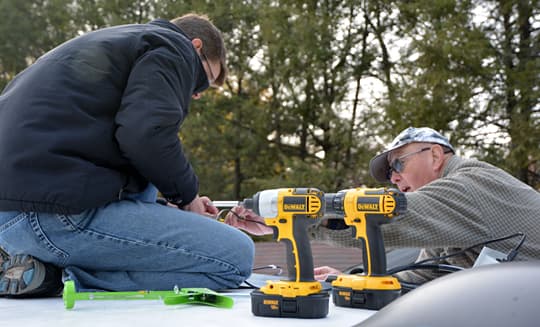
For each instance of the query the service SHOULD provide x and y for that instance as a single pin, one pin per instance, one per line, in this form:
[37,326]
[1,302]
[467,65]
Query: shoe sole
[21,275]
[4,257]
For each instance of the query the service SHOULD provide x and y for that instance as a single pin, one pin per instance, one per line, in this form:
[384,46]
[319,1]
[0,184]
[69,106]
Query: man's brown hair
[200,26]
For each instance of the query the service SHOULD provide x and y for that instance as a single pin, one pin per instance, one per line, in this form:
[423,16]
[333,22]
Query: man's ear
[197,44]
[437,152]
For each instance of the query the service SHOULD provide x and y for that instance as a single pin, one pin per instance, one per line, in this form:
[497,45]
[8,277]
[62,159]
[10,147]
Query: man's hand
[248,221]
[321,273]
[202,205]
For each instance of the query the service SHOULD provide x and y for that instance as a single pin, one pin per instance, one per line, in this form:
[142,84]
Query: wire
[515,249]
[273,267]
[223,213]
[430,266]
[512,254]
[407,286]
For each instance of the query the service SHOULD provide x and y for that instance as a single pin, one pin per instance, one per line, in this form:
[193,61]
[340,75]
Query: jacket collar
[167,24]
[202,82]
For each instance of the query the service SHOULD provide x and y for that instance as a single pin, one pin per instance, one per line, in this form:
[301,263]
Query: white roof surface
[153,313]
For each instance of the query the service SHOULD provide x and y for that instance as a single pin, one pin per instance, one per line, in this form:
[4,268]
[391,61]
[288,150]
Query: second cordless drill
[364,210]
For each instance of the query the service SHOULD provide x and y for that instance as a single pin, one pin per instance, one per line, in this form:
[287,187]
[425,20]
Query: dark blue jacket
[98,116]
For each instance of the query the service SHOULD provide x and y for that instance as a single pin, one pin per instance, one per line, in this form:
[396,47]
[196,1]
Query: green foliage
[298,108]
[471,76]
[28,29]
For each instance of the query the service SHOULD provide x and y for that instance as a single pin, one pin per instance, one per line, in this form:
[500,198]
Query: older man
[453,203]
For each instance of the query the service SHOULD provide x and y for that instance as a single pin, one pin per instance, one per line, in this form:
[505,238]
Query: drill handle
[299,255]
[373,251]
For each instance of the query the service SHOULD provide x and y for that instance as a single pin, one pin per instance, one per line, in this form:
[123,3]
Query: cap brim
[378,167]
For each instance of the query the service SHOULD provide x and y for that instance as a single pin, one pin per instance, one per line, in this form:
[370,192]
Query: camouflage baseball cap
[379,166]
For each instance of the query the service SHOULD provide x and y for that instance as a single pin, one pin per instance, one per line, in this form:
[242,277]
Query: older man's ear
[438,156]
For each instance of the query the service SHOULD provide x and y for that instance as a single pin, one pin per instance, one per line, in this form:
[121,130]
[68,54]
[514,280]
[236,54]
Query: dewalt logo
[273,304]
[345,295]
[367,204]
[294,207]
[367,207]
[294,203]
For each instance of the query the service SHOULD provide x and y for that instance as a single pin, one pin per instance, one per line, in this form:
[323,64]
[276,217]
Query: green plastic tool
[177,296]
[199,296]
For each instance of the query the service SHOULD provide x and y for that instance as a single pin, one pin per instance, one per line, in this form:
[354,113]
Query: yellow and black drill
[364,210]
[289,211]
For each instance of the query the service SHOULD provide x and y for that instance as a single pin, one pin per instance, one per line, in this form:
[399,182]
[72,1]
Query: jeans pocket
[28,233]
[9,219]
[76,222]
[8,229]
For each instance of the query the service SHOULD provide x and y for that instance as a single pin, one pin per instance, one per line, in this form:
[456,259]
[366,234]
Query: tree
[515,86]
[286,98]
[472,71]
[315,87]
[28,29]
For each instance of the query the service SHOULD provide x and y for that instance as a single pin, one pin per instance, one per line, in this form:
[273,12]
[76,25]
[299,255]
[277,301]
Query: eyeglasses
[397,164]
[212,76]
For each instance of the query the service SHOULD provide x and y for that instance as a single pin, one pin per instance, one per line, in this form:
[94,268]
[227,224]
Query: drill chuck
[401,203]
[249,203]
[334,204]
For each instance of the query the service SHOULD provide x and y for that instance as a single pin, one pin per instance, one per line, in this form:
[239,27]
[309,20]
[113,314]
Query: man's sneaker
[4,258]
[25,276]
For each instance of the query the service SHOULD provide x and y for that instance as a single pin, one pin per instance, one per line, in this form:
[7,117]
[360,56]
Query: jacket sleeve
[444,213]
[153,106]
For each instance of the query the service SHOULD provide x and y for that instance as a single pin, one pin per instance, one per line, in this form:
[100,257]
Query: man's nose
[394,177]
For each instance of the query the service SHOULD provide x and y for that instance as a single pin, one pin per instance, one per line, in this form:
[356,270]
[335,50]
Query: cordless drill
[289,211]
[364,210]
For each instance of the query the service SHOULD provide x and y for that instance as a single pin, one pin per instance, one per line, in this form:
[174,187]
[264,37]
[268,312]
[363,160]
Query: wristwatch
[177,201]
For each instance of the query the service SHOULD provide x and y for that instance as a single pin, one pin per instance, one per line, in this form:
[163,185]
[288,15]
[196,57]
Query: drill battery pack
[308,306]
[363,299]
[365,292]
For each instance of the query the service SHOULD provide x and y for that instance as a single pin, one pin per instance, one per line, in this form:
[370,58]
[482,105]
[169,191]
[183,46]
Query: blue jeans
[133,244]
